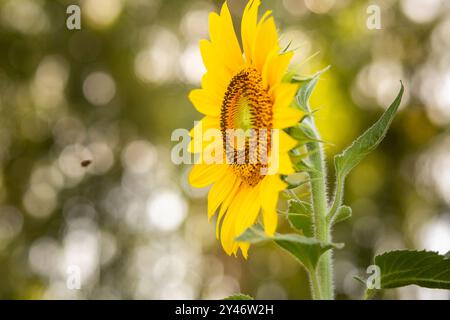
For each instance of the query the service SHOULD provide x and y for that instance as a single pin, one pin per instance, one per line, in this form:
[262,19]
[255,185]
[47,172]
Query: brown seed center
[246,123]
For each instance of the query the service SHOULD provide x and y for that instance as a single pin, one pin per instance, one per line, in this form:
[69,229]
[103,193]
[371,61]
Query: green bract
[305,249]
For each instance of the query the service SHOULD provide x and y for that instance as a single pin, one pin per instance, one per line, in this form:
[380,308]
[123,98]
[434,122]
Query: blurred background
[114,91]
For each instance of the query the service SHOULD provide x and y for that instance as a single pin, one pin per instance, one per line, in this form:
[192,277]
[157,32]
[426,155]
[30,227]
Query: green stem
[337,201]
[315,285]
[320,206]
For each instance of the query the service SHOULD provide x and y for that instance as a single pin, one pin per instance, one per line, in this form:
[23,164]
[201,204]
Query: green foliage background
[114,91]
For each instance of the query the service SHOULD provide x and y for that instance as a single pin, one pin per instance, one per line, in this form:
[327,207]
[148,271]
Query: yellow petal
[248,28]
[219,192]
[249,210]
[224,39]
[213,152]
[197,144]
[226,203]
[270,187]
[213,60]
[285,164]
[216,84]
[205,102]
[275,67]
[203,175]
[286,117]
[208,53]
[244,246]
[227,233]
[266,41]
[286,141]
[283,94]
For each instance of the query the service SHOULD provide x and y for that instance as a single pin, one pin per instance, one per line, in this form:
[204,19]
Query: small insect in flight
[85,163]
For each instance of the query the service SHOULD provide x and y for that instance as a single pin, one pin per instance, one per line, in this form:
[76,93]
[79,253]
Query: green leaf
[299,216]
[303,133]
[304,93]
[294,185]
[301,207]
[423,268]
[368,141]
[239,296]
[302,166]
[306,250]
[294,180]
[343,213]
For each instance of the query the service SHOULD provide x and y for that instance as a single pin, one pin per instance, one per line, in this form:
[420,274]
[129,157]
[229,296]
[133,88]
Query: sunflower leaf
[294,185]
[406,267]
[304,93]
[239,296]
[299,216]
[306,250]
[303,133]
[367,142]
[343,213]
[303,166]
[294,181]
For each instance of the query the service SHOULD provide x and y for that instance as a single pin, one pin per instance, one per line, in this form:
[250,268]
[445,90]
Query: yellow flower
[243,89]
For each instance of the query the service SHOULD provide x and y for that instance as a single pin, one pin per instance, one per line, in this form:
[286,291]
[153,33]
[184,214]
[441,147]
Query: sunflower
[244,89]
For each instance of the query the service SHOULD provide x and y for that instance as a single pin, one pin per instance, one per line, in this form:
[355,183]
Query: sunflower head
[242,91]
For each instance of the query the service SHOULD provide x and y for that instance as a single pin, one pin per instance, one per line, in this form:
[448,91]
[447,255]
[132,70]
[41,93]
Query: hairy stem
[337,201]
[319,200]
[315,285]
